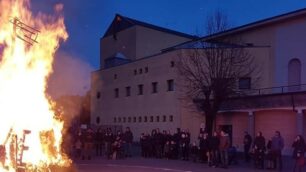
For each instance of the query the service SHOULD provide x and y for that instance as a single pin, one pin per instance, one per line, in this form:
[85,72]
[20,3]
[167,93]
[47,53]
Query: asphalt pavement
[139,164]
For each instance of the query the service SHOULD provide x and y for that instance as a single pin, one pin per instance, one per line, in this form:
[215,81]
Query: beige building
[138,84]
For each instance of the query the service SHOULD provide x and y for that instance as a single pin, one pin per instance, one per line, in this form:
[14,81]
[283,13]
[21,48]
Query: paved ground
[138,164]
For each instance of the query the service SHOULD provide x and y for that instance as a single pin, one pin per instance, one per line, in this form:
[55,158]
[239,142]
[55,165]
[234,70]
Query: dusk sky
[87,20]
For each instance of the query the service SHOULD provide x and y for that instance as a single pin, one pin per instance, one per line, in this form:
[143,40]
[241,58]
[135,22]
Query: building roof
[250,26]
[121,23]
[260,23]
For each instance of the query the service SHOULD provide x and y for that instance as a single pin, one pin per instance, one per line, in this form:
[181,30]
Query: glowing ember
[31,132]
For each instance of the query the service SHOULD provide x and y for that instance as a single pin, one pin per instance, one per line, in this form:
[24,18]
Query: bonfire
[30,128]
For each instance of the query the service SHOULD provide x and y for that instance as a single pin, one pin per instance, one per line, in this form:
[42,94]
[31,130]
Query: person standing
[184,146]
[89,138]
[108,139]
[128,140]
[99,142]
[224,146]
[277,145]
[259,148]
[214,143]
[247,142]
[298,152]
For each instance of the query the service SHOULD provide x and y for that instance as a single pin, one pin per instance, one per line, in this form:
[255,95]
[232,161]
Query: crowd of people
[269,151]
[215,150]
[102,143]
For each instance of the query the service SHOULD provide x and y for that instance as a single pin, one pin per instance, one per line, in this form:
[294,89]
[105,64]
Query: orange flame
[24,69]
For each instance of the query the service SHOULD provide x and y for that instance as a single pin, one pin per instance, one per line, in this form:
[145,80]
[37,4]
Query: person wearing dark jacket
[194,150]
[184,146]
[99,142]
[108,140]
[277,145]
[214,142]
[128,140]
[158,143]
[142,144]
[259,148]
[177,138]
[298,152]
[247,142]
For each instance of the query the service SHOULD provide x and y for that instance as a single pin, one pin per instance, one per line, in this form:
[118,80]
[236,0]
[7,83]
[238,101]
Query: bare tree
[211,70]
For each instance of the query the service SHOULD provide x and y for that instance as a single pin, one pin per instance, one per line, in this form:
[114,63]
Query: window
[128,91]
[157,118]
[98,120]
[164,118]
[245,83]
[135,72]
[171,118]
[151,119]
[294,75]
[98,95]
[146,69]
[145,119]
[116,92]
[139,119]
[140,89]
[154,87]
[115,76]
[140,71]
[170,84]
[119,119]
[124,119]
[129,119]
[115,120]
[172,63]
[134,119]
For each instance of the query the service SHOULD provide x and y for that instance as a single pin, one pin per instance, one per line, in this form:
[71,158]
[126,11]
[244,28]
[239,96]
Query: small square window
[172,63]
[164,118]
[98,95]
[135,72]
[140,89]
[116,92]
[115,76]
[245,83]
[146,69]
[154,87]
[157,118]
[129,119]
[145,119]
[115,120]
[151,119]
[134,119]
[171,118]
[140,71]
[128,91]
[139,119]
[170,84]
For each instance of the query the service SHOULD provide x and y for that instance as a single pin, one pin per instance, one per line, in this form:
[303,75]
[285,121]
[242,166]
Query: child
[194,152]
